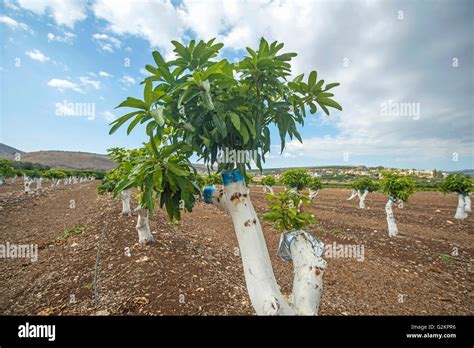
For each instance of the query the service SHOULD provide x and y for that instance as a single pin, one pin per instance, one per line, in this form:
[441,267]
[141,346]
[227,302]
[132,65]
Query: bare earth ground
[195,268]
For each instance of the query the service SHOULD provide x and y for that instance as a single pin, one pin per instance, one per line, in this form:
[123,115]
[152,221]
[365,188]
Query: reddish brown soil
[195,268]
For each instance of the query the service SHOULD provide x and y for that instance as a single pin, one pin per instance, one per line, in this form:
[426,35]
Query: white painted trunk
[362,199]
[143,227]
[269,188]
[461,209]
[467,201]
[353,194]
[14,179]
[58,182]
[313,194]
[262,286]
[392,226]
[308,277]
[27,185]
[125,196]
[39,186]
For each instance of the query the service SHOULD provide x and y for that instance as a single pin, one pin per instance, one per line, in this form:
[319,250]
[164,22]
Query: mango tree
[33,176]
[296,179]
[314,185]
[396,187]
[55,176]
[268,182]
[309,266]
[6,171]
[463,186]
[362,188]
[197,105]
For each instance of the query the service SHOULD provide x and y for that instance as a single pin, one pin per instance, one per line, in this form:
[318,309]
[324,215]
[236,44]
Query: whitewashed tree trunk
[125,197]
[58,181]
[312,194]
[143,226]
[27,185]
[353,194]
[467,201]
[269,188]
[461,209]
[262,287]
[39,186]
[14,179]
[392,226]
[362,199]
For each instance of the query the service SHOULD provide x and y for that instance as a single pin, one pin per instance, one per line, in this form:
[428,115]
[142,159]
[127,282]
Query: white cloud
[104,74]
[37,55]
[65,13]
[108,116]
[159,22]
[86,81]
[67,37]
[13,23]
[106,42]
[64,84]
[128,80]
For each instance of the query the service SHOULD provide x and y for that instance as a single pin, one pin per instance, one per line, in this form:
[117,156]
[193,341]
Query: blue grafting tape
[207,193]
[237,176]
[229,177]
[393,199]
[226,177]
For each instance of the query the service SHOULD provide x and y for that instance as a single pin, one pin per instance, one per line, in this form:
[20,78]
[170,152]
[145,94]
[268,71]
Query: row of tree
[11,170]
[398,188]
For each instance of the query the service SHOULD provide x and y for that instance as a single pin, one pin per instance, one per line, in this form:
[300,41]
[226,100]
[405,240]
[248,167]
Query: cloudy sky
[405,68]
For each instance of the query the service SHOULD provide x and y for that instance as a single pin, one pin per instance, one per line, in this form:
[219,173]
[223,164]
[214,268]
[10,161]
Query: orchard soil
[194,268]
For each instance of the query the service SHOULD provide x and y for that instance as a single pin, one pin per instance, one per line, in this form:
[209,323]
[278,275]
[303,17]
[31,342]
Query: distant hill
[8,152]
[61,159]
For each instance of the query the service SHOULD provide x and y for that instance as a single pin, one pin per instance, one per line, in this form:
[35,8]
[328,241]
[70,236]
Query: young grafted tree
[55,176]
[397,187]
[309,266]
[353,194]
[297,179]
[213,105]
[314,185]
[463,186]
[6,171]
[268,182]
[362,188]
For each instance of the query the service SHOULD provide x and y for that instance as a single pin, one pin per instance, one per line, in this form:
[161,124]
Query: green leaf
[133,103]
[147,96]
[312,78]
[235,120]
[329,102]
[158,116]
[133,123]
[121,120]
[176,170]
[158,59]
[244,133]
